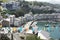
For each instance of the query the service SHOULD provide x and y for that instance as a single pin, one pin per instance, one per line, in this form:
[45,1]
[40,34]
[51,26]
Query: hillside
[35,7]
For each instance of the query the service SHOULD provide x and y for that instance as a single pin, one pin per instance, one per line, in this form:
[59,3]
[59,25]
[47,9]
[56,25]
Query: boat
[54,22]
[34,23]
[46,25]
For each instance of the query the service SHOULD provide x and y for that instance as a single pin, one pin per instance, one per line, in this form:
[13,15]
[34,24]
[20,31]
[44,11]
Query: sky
[50,1]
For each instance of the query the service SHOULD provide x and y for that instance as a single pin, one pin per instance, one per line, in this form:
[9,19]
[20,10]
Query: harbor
[36,27]
[29,20]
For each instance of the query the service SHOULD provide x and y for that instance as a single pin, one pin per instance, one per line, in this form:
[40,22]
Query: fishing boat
[46,25]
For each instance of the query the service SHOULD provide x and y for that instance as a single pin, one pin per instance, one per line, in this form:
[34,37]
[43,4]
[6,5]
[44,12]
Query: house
[9,6]
[46,17]
[28,17]
[6,23]
[15,5]
[4,6]
[36,16]
[17,22]
[58,16]
[22,20]
[12,18]
[43,35]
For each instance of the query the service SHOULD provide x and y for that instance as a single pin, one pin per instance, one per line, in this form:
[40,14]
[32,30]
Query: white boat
[34,23]
[46,25]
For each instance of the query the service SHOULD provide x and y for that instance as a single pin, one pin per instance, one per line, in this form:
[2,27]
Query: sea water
[54,31]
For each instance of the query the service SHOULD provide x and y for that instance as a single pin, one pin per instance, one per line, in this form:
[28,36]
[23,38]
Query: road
[16,36]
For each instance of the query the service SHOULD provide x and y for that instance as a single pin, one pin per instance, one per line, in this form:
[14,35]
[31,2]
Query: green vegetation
[25,8]
[0,9]
[4,37]
[51,39]
[33,37]
[20,12]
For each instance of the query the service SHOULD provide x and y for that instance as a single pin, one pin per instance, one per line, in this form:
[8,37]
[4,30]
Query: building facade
[12,19]
[17,22]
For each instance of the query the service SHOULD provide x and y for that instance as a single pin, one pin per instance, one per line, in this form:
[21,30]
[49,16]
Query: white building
[12,18]
[28,17]
[15,4]
[17,22]
[11,5]
[58,16]
[36,16]
[53,17]
[22,20]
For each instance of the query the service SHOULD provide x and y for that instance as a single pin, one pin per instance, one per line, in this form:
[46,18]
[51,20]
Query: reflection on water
[53,29]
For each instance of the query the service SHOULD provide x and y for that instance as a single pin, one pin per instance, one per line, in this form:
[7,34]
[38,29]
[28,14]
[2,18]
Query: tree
[20,12]
[0,9]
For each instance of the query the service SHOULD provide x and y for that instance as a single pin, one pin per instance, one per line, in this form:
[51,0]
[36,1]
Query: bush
[33,37]
[4,37]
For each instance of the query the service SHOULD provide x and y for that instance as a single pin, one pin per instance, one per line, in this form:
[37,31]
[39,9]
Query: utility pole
[11,36]
[32,3]
[0,13]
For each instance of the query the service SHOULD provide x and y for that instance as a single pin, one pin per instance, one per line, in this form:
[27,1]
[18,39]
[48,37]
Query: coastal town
[19,21]
[11,20]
